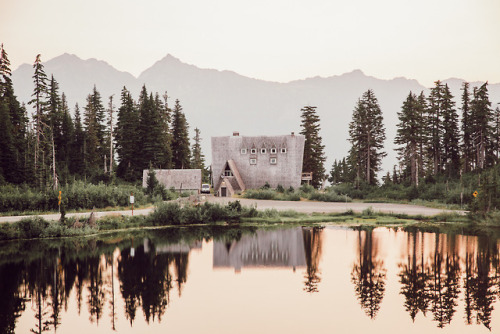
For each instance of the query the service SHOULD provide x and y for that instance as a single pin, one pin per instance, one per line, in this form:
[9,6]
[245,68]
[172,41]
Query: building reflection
[369,273]
[274,249]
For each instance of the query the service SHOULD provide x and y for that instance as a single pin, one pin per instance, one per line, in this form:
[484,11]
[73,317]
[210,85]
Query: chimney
[236,133]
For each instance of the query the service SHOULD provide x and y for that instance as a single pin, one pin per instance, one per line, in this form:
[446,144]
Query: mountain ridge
[220,102]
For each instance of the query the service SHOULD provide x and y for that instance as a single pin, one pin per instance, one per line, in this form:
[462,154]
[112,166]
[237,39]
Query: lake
[247,280]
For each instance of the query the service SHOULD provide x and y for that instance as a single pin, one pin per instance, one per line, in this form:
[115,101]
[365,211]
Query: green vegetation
[79,196]
[304,192]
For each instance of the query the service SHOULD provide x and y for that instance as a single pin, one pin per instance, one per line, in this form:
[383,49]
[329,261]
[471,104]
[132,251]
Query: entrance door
[223,192]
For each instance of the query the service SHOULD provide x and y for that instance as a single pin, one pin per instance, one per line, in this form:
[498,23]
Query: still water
[274,280]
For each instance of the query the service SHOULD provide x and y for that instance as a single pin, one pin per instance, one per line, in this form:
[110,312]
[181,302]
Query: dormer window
[253,151]
[273,150]
[273,161]
[263,151]
[243,151]
[283,150]
[253,161]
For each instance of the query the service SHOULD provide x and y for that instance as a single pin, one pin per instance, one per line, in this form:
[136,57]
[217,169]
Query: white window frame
[243,151]
[228,172]
[253,161]
[263,151]
[273,161]
[273,151]
[253,151]
[283,150]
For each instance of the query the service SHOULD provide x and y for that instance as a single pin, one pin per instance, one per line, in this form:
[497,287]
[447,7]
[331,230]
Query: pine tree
[95,143]
[367,135]
[314,156]
[409,131]
[451,136]
[39,100]
[435,128]
[127,141]
[496,134]
[77,162]
[166,138]
[18,122]
[198,159]
[481,118]
[150,130]
[180,139]
[467,129]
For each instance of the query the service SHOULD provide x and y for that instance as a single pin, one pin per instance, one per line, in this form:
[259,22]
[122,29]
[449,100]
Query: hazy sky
[278,40]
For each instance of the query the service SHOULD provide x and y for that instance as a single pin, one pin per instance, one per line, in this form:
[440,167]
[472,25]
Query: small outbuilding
[179,179]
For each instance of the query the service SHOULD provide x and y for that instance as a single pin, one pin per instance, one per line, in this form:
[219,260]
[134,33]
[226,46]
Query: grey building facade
[241,162]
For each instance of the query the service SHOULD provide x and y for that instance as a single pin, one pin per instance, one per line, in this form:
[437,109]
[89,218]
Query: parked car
[205,188]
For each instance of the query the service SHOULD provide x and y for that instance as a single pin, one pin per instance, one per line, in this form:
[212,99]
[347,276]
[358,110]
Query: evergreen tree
[77,161]
[496,134]
[150,130]
[198,159]
[127,140]
[66,140]
[7,150]
[39,100]
[435,129]
[95,143]
[180,139]
[367,135]
[16,140]
[467,129]
[451,136]
[481,119]
[314,156]
[166,138]
[409,131]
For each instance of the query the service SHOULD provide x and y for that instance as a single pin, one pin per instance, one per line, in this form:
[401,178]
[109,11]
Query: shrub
[32,227]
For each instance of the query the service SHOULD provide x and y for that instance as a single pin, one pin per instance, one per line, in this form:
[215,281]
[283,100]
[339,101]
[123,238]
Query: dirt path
[302,206]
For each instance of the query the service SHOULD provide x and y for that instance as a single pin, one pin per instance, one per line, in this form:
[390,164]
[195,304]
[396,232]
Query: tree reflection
[145,281]
[368,274]
[12,304]
[480,281]
[443,283]
[313,242]
[413,277]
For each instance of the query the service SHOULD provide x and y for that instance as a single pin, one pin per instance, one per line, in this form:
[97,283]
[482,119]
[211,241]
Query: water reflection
[368,273]
[134,280]
[439,266]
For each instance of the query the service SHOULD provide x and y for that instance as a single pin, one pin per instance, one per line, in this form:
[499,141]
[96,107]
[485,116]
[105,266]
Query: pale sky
[276,40]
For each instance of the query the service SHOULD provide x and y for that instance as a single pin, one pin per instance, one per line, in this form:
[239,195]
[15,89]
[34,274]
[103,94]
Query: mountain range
[220,102]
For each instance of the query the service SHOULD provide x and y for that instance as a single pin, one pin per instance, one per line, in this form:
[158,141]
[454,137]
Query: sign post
[132,200]
[59,201]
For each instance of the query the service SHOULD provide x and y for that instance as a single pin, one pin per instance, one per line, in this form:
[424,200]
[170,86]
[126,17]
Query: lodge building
[241,162]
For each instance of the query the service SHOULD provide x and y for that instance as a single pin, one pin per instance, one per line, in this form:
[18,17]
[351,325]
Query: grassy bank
[176,214]
[304,192]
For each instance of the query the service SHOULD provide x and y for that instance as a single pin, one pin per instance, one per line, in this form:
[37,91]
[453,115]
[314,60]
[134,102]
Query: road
[302,206]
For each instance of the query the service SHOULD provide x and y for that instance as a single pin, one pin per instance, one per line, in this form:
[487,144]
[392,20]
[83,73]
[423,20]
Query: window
[273,161]
[253,151]
[243,151]
[253,161]
[283,150]
[263,151]
[228,172]
[273,151]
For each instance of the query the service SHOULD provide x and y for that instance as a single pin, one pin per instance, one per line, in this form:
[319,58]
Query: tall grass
[78,195]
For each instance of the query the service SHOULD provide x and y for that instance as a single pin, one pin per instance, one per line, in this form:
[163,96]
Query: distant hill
[220,102]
